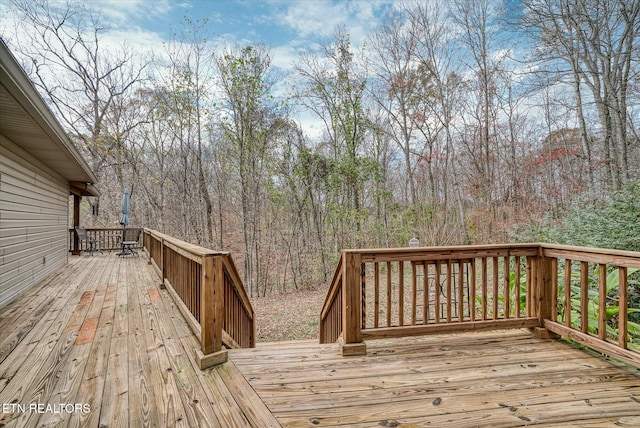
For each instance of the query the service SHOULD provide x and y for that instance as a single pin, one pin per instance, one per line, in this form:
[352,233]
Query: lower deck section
[494,379]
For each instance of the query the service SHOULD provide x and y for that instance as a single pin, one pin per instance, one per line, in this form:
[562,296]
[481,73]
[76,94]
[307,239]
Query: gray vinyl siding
[34,219]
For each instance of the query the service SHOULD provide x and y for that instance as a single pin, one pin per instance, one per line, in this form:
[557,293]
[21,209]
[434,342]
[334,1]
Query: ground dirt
[290,316]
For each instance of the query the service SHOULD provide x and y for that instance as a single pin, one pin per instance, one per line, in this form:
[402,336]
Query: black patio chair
[130,239]
[89,241]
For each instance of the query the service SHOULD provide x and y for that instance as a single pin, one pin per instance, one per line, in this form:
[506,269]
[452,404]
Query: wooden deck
[99,344]
[494,379]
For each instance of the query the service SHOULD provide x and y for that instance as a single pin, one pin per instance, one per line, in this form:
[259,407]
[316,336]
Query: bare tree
[153,147]
[476,19]
[597,40]
[335,91]
[248,124]
[83,78]
[396,85]
[443,89]
[192,65]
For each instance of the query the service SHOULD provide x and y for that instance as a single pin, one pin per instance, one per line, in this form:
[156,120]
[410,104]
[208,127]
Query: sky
[286,27]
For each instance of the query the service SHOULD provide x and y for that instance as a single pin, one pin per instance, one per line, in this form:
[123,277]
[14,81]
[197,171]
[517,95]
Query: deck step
[254,409]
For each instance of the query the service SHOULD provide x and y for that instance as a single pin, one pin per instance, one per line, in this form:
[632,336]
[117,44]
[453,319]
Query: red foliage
[552,156]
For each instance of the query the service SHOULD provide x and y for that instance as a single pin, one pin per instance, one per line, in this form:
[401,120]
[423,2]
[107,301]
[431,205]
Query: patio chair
[90,242]
[130,239]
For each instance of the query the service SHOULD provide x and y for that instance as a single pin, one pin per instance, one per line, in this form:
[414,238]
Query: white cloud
[318,19]
[129,11]
[135,38]
[314,18]
[285,56]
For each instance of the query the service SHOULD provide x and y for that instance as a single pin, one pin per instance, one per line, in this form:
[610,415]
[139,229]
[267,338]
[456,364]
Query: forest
[455,122]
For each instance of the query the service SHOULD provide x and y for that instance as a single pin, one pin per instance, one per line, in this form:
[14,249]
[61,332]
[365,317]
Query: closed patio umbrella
[124,217]
[124,220]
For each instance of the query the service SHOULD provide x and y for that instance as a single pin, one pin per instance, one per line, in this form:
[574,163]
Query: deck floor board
[502,378]
[101,332]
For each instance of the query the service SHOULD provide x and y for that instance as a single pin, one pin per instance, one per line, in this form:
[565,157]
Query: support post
[76,222]
[543,278]
[351,343]
[211,312]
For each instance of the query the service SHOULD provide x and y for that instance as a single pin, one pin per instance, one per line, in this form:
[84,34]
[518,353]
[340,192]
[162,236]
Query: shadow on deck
[99,343]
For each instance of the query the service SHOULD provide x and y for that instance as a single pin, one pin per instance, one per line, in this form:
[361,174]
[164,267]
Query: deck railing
[106,239]
[412,291]
[208,291]
[590,298]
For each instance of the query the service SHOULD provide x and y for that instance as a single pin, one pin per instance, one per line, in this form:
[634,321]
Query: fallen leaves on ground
[289,316]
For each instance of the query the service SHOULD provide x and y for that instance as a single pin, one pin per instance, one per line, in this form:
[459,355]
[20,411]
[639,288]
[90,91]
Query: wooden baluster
[623,329]
[584,297]
[338,312]
[472,291]
[485,287]
[376,285]
[507,287]
[517,285]
[449,286]
[602,302]
[554,289]
[494,298]
[401,293]
[389,294]
[363,290]
[425,293]
[529,287]
[437,292]
[460,291]
[567,292]
[236,316]
[185,273]
[190,284]
[414,291]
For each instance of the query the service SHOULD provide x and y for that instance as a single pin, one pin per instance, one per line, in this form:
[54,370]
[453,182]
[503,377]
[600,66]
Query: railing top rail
[444,253]
[115,229]
[190,248]
[594,255]
[333,289]
[242,293]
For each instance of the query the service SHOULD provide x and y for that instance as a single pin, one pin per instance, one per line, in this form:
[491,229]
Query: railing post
[211,313]
[163,269]
[161,263]
[543,277]
[351,343]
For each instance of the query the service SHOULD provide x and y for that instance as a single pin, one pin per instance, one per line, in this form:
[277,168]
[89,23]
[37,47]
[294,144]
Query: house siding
[34,221]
